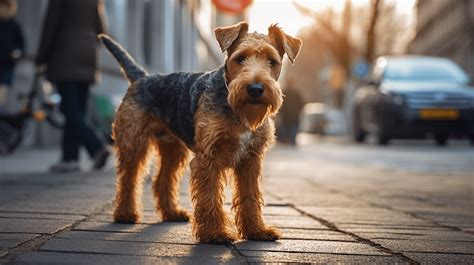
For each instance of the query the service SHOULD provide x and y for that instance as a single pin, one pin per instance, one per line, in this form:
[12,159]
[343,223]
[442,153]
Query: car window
[424,69]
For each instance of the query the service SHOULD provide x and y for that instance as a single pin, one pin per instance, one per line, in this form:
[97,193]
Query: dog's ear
[226,36]
[284,43]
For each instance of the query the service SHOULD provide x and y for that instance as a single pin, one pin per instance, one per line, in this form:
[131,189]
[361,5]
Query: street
[334,201]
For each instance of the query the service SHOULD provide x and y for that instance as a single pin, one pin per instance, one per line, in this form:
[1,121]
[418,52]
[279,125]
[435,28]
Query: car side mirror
[373,82]
[368,81]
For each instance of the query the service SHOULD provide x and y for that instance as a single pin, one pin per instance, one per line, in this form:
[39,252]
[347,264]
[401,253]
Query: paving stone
[280,210]
[428,246]
[40,226]
[462,226]
[389,230]
[399,225]
[293,222]
[120,228]
[310,246]
[320,258]
[85,258]
[470,229]
[12,240]
[315,234]
[449,213]
[440,258]
[315,198]
[24,215]
[424,235]
[270,199]
[137,248]
[164,232]
[147,218]
[149,202]
[363,215]
[59,206]
[151,207]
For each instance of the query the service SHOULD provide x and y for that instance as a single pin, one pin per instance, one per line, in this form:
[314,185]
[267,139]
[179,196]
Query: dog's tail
[129,67]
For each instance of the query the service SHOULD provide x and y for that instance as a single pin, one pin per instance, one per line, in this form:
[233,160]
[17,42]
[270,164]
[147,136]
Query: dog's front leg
[248,200]
[207,190]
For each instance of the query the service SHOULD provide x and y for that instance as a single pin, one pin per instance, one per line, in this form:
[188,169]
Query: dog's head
[252,68]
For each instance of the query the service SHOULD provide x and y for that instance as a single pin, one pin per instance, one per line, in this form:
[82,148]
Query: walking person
[11,46]
[290,113]
[68,53]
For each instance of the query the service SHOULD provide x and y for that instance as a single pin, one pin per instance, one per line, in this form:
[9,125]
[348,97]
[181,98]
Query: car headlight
[394,98]
[397,99]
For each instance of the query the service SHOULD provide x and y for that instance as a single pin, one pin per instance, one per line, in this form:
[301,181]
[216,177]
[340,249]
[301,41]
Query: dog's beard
[253,115]
[254,112]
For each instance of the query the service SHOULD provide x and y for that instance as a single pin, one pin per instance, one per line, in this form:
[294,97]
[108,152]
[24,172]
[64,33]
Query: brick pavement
[329,212]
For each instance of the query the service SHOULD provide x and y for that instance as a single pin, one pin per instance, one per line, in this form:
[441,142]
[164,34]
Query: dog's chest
[245,141]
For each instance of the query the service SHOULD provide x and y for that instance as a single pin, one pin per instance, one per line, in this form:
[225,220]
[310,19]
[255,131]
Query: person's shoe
[65,167]
[100,159]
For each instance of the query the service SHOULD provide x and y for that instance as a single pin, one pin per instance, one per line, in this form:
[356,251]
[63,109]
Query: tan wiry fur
[223,147]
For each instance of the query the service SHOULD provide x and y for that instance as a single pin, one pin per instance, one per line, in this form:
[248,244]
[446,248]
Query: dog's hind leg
[131,137]
[173,155]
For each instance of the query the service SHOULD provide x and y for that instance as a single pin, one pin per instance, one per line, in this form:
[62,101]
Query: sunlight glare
[262,13]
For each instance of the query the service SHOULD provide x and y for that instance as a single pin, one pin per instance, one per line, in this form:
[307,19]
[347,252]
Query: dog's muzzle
[255,90]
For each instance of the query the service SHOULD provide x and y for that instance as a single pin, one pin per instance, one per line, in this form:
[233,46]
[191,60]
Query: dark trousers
[76,131]
[6,76]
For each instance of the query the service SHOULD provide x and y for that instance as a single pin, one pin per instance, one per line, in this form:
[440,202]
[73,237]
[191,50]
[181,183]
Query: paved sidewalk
[329,212]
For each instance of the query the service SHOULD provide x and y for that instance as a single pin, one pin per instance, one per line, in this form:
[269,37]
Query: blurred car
[313,118]
[319,118]
[412,97]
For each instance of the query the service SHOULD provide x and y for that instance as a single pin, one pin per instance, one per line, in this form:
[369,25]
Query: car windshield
[424,69]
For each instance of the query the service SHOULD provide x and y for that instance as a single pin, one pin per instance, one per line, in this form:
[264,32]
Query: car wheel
[382,137]
[441,139]
[358,134]
[471,139]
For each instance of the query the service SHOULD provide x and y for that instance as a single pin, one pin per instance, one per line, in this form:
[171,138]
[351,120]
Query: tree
[371,35]
[336,40]
[358,31]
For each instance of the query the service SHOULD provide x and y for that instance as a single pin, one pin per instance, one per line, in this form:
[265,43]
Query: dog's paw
[265,234]
[126,217]
[175,216]
[223,238]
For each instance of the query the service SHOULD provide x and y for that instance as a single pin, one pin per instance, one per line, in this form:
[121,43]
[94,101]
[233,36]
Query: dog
[225,117]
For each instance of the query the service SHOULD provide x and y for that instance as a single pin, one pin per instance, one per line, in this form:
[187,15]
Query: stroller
[41,104]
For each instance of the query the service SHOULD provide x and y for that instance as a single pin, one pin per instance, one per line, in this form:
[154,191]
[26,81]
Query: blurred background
[341,90]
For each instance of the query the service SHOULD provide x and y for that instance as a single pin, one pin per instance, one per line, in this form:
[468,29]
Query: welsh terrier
[225,117]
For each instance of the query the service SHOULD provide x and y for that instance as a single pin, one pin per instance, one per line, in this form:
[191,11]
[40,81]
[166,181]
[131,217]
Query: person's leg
[283,135]
[6,80]
[10,77]
[70,107]
[6,76]
[85,134]
[293,132]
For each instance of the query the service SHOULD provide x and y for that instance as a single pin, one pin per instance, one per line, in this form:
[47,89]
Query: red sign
[232,6]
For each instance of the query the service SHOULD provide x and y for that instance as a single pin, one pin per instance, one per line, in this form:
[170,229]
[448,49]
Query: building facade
[446,28]
[162,35]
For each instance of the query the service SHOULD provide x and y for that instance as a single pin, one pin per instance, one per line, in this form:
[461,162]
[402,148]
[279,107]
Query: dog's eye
[273,62]
[240,59]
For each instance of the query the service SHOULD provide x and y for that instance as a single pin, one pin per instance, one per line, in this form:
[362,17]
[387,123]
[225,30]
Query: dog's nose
[255,90]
